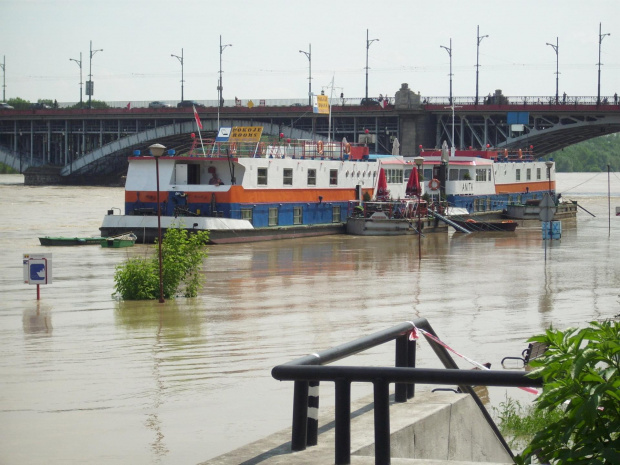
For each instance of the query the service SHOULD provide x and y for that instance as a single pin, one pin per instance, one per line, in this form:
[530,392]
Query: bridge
[94,144]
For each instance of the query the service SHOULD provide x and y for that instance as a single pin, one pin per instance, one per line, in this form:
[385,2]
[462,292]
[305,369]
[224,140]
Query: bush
[581,373]
[182,257]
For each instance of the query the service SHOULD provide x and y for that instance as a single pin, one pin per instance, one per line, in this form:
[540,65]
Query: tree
[581,373]
[182,256]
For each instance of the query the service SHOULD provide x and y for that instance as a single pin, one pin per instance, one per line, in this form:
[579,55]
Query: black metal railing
[311,369]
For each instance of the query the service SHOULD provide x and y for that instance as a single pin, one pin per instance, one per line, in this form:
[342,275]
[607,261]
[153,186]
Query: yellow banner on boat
[321,105]
[246,134]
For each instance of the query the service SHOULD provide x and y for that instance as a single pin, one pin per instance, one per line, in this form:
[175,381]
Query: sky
[136,38]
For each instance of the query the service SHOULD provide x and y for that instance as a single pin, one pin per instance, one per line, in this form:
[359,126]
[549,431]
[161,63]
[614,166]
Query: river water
[85,378]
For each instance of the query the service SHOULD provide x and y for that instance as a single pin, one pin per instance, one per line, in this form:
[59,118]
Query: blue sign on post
[37,268]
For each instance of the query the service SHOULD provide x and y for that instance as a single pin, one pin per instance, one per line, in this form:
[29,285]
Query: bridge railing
[310,370]
[521,100]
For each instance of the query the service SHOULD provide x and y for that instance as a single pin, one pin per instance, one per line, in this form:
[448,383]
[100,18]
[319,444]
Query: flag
[197,117]
[129,106]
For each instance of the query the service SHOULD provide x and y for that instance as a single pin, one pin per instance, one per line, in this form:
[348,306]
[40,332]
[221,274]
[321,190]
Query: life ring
[233,147]
[319,147]
[347,148]
[433,184]
[471,220]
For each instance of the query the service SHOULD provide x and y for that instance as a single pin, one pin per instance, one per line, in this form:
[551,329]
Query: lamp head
[418,161]
[157,150]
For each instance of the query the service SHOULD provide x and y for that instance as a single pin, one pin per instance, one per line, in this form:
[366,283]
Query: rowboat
[126,240]
[67,241]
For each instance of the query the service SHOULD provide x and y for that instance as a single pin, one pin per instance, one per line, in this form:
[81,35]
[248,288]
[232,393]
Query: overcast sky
[38,38]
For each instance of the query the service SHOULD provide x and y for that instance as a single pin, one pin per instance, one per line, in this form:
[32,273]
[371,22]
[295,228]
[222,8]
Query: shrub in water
[182,257]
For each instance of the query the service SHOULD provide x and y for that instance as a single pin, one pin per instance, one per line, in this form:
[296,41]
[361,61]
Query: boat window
[464,175]
[490,177]
[336,214]
[454,175]
[246,214]
[481,174]
[528,174]
[273,216]
[262,176]
[287,176]
[297,215]
[428,173]
[333,177]
[394,176]
[311,177]
[193,174]
[538,174]
[518,175]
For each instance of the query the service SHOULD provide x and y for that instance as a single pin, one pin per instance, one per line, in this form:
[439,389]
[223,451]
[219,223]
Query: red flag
[129,106]
[197,117]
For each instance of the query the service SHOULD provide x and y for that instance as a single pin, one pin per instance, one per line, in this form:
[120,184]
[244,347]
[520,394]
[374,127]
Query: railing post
[300,416]
[313,413]
[411,353]
[400,391]
[343,422]
[382,422]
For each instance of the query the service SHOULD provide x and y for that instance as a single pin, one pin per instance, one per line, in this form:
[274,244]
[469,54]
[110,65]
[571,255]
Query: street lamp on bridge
[477,55]
[219,86]
[180,58]
[89,84]
[3,66]
[449,50]
[556,48]
[600,41]
[309,55]
[368,42]
[79,63]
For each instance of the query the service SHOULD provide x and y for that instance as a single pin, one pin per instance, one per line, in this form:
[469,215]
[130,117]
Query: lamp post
[89,84]
[309,55]
[3,66]
[449,50]
[556,48]
[418,162]
[368,42]
[549,164]
[79,63]
[600,41]
[219,86]
[479,39]
[157,151]
[180,58]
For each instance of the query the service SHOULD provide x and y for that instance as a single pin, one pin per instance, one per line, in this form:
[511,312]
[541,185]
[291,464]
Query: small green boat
[65,241]
[126,240]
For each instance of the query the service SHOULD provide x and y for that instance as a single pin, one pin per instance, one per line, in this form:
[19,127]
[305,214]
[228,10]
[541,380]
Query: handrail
[310,370]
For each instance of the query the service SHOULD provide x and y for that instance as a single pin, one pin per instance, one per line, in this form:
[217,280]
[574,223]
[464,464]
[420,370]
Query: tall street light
[79,63]
[309,55]
[600,41]
[219,86]
[556,48]
[449,50]
[89,85]
[157,150]
[180,58]
[479,39]
[368,42]
[3,66]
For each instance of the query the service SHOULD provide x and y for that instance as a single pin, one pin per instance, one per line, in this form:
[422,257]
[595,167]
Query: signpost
[37,270]
[547,211]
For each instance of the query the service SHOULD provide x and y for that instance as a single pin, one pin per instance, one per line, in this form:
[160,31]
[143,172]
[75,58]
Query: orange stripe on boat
[517,188]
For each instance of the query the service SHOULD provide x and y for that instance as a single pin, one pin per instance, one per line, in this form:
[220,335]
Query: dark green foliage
[6,169]
[19,103]
[590,156]
[581,373]
[182,256]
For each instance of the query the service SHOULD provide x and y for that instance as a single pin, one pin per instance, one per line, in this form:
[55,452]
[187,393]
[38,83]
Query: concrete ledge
[430,429]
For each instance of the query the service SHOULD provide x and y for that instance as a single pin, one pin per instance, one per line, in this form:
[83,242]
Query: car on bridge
[158,104]
[370,102]
[40,106]
[6,106]
[189,104]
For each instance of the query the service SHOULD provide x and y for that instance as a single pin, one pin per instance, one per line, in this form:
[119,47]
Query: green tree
[592,155]
[182,257]
[581,373]
[19,103]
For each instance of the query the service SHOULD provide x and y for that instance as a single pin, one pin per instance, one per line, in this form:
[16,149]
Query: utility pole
[220,87]
[449,50]
[556,47]
[600,41]
[79,63]
[368,42]
[3,66]
[180,58]
[89,85]
[479,39]
[309,56]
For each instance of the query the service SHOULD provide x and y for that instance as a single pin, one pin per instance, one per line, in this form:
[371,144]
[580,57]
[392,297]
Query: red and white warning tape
[414,335]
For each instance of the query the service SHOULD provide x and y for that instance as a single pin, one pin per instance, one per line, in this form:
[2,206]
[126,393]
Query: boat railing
[310,370]
[285,148]
[393,209]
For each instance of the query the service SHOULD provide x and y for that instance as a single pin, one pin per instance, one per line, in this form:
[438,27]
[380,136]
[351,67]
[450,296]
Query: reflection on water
[187,380]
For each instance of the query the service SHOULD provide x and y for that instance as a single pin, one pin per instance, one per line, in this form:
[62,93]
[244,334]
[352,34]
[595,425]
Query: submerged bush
[182,257]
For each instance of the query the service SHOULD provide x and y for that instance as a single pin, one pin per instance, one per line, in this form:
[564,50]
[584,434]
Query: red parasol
[382,191]
[413,184]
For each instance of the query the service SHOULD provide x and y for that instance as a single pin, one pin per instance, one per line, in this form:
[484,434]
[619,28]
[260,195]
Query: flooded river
[85,378]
